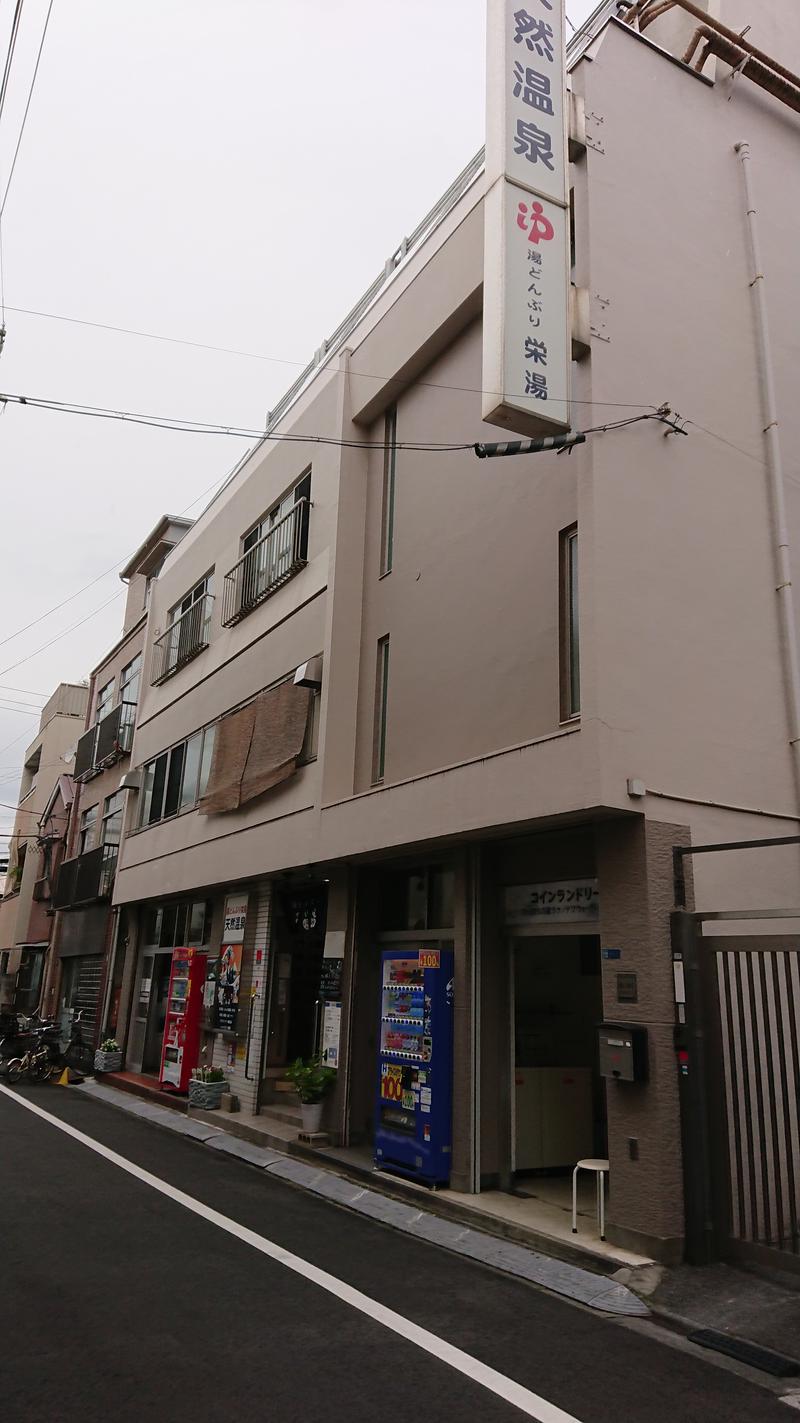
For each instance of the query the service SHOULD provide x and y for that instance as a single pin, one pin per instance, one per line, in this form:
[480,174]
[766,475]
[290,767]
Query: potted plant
[206,1086]
[108,1057]
[312,1083]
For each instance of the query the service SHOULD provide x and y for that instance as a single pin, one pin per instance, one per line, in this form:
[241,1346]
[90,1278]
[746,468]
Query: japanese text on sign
[526,286]
[235,918]
[575,900]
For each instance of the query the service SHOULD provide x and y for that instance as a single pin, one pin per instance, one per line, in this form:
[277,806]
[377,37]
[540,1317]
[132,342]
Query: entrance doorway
[295,1004]
[149,1012]
[558,1101]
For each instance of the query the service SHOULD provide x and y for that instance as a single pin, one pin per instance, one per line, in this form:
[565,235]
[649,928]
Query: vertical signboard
[526,339]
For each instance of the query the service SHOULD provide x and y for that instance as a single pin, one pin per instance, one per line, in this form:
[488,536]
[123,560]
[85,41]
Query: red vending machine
[180,1049]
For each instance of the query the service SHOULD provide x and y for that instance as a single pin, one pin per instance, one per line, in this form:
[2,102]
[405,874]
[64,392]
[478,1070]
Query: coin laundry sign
[526,341]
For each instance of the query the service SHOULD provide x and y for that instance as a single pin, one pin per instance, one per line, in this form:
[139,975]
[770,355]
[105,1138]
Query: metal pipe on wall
[787,614]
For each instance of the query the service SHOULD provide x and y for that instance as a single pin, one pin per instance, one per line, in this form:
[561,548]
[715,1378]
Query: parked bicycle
[35,1063]
[45,1057]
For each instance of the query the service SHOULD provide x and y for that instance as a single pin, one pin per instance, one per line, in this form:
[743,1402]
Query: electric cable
[285,360]
[27,107]
[60,635]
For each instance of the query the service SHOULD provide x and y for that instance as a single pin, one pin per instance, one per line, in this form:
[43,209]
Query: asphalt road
[120,1303]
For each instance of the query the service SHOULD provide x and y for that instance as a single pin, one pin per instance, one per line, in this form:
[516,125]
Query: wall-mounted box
[623,1052]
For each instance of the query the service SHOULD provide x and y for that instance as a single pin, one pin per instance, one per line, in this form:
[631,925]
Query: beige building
[376,712]
[79,975]
[37,845]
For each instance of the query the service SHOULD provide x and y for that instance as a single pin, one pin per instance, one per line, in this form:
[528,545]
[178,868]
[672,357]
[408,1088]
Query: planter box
[206,1095]
[107,1061]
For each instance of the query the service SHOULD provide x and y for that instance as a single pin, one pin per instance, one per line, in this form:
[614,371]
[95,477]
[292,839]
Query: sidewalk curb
[572,1282]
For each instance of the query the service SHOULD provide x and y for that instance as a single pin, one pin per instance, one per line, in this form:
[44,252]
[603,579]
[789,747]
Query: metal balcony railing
[115,734]
[105,742]
[84,755]
[183,639]
[86,878]
[267,565]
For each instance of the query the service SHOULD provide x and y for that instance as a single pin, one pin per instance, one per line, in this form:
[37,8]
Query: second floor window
[105,700]
[113,807]
[177,778]
[87,835]
[381,708]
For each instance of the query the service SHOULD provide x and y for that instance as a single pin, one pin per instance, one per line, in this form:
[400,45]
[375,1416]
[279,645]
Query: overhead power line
[287,361]
[27,107]
[59,636]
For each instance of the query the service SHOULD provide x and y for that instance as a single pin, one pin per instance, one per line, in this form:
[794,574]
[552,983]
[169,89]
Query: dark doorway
[297,965]
[151,1058]
[559,1102]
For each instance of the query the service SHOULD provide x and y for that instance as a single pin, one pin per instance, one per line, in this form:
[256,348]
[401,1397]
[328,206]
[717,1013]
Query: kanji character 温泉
[534,143]
[536,385]
[533,88]
[537,34]
[535,351]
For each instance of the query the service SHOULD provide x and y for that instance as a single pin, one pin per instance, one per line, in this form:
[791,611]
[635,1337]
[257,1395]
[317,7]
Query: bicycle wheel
[15,1069]
[80,1058]
[39,1069]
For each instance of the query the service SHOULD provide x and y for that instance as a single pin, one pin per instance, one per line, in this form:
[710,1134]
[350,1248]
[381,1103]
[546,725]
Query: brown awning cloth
[256,747]
[278,736]
[231,749]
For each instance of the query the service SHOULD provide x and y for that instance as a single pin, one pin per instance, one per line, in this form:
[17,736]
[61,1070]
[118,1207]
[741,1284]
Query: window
[111,829]
[569,626]
[105,698]
[188,630]
[387,512]
[177,778]
[129,680]
[572,229]
[88,830]
[381,700]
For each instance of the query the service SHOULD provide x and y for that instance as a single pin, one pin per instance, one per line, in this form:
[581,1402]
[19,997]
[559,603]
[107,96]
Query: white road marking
[522,1398]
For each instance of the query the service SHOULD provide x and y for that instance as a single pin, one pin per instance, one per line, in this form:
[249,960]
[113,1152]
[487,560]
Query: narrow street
[124,1301]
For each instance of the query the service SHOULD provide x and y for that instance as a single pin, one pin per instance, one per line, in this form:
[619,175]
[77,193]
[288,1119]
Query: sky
[229,174]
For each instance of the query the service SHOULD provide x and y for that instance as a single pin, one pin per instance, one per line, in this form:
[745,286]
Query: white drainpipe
[774,470]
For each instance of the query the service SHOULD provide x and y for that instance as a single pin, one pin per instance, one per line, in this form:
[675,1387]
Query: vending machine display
[415,1064]
[181,1044]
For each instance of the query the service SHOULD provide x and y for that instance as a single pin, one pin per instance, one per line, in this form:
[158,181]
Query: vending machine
[415,1064]
[181,1044]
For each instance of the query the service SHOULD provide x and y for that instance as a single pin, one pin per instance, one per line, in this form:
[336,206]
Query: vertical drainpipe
[774,470]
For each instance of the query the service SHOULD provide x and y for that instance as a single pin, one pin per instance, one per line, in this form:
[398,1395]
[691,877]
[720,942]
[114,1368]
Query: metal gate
[756,1072]
[738,1040]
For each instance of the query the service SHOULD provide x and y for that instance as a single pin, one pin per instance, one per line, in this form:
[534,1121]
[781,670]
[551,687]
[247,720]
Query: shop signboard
[526,338]
[235,919]
[566,901]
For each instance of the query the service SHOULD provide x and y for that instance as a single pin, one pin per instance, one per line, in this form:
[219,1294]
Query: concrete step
[280,1084]
[282,1113]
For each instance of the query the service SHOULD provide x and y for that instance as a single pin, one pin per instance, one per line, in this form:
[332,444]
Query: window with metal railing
[188,632]
[272,551]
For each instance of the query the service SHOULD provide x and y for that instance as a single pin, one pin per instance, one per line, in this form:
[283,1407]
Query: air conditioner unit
[131,781]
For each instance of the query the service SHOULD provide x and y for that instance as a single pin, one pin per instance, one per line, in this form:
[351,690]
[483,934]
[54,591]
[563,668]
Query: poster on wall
[331,1029]
[229,977]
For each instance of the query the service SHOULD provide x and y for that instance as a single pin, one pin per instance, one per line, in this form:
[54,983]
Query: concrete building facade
[37,847]
[393,694]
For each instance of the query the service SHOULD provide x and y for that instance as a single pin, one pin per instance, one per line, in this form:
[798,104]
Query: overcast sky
[234,174]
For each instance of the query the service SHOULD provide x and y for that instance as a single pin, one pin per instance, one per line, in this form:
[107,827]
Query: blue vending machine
[413,1131]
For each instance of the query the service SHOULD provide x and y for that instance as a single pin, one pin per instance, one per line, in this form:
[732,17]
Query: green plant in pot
[312,1082]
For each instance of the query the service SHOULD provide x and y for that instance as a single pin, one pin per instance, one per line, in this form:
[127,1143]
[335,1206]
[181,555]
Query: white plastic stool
[599,1167]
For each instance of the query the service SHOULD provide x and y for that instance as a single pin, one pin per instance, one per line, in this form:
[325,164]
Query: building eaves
[151,544]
